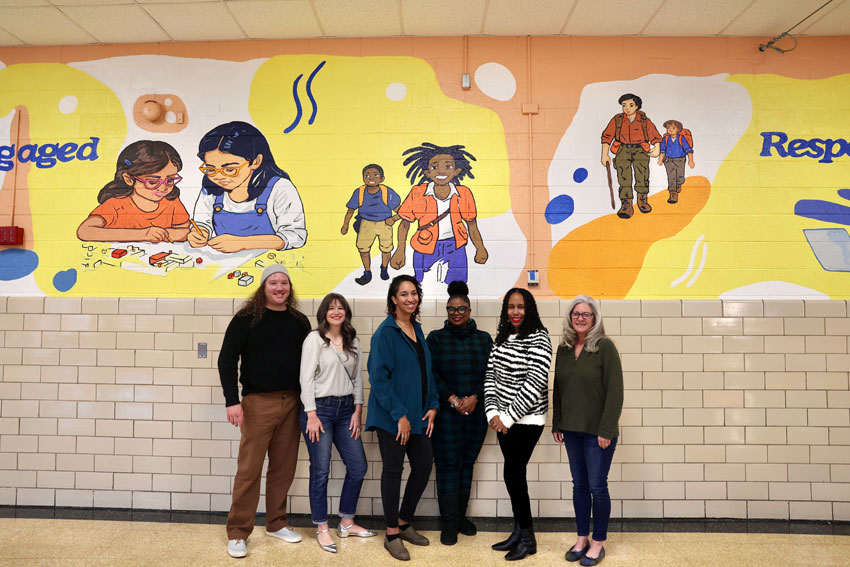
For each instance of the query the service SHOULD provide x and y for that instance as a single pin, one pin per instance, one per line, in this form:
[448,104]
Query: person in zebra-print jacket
[516,397]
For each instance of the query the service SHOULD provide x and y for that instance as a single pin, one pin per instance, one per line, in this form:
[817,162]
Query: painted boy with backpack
[676,145]
[375,203]
[633,139]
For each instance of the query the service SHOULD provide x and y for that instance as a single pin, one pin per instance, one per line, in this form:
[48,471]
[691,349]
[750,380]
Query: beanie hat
[273,269]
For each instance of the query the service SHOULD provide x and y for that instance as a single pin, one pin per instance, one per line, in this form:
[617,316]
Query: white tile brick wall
[732,409]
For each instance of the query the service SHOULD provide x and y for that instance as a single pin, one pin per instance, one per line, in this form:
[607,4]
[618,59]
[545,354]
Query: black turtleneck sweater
[270,354]
[459,357]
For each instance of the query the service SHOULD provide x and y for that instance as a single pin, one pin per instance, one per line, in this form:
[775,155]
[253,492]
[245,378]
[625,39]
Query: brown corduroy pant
[270,425]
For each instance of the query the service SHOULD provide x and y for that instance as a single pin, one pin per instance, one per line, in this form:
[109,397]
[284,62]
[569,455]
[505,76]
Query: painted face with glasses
[230,172]
[458,312]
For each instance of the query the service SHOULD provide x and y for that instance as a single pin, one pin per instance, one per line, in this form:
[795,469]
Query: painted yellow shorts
[369,231]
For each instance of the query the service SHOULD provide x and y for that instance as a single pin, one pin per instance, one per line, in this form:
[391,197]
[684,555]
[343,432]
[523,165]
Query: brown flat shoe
[414,537]
[397,549]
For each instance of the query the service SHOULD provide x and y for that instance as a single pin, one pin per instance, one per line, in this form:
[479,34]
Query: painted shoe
[364,279]
[385,275]
[237,548]
[345,531]
[287,534]
[327,547]
[643,204]
[573,556]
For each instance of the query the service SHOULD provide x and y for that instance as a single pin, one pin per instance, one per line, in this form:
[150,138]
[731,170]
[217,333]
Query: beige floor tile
[76,543]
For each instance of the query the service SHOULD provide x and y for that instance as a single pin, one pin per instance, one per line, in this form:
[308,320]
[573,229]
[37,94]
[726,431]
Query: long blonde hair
[597,331]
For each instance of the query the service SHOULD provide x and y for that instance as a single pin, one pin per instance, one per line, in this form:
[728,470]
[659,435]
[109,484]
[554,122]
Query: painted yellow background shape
[750,228]
[357,124]
[62,196]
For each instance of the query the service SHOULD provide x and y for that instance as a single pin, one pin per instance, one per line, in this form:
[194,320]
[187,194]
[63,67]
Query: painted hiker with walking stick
[633,139]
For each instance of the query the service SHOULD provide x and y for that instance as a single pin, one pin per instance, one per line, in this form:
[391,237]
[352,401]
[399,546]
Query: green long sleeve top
[588,392]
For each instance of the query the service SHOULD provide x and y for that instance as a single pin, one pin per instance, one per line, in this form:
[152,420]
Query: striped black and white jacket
[516,387]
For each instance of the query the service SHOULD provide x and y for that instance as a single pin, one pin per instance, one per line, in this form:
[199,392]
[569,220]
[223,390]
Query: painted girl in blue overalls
[247,201]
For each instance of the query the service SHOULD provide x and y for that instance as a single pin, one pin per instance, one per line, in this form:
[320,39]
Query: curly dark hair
[394,285]
[348,332]
[460,290]
[530,323]
[421,155]
[255,305]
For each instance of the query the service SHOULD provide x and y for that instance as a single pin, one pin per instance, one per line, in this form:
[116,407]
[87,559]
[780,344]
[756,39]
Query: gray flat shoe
[412,536]
[397,549]
[345,531]
[331,548]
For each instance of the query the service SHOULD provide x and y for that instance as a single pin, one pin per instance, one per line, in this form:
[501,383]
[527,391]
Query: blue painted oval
[559,209]
[65,280]
[579,175]
[16,263]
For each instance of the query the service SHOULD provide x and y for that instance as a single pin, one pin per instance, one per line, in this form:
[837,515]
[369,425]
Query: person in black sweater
[264,340]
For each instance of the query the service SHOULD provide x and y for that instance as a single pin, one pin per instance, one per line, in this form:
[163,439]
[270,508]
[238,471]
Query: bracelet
[455,403]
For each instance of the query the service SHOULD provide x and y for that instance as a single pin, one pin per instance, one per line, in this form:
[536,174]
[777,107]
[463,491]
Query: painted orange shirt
[421,207]
[631,132]
[122,212]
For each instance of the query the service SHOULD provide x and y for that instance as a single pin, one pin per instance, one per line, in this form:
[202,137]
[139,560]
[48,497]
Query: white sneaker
[237,548]
[287,534]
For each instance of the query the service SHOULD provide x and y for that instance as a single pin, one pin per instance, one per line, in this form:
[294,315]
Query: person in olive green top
[587,401]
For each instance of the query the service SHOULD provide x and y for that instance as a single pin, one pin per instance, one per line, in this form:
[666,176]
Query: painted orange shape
[604,257]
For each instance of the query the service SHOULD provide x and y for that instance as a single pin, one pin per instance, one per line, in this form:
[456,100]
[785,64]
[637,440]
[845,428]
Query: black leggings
[421,457]
[517,445]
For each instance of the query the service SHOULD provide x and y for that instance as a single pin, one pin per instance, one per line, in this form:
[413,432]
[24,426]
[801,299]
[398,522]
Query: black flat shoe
[573,556]
[588,561]
[510,543]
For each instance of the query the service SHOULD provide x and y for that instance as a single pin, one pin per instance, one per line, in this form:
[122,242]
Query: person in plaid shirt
[459,352]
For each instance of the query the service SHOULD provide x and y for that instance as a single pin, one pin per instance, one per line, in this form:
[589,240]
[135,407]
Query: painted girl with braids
[444,209]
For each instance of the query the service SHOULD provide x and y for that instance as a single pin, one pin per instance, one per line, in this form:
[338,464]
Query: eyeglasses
[227,171]
[459,310]
[156,182]
[585,316]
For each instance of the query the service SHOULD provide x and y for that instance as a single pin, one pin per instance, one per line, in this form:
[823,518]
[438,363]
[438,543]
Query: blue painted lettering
[45,156]
[822,150]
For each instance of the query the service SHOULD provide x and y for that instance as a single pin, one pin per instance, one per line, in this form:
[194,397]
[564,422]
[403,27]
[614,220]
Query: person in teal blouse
[402,407]
[586,406]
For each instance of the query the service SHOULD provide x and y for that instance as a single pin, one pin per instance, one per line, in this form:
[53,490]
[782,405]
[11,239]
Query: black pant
[421,457]
[517,445]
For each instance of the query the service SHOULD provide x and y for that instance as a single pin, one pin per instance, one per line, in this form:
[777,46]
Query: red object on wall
[118,253]
[11,235]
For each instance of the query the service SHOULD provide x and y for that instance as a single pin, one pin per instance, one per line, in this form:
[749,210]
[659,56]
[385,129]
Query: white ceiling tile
[43,26]
[8,39]
[273,19]
[771,17]
[206,21]
[610,17]
[117,24]
[437,18]
[832,20]
[364,18]
[526,17]
[693,18]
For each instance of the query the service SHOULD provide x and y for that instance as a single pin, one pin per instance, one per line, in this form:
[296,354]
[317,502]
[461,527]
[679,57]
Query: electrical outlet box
[533,278]
[465,81]
[11,235]
[202,350]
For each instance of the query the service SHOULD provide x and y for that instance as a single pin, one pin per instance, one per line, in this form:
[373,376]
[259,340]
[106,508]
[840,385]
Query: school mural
[158,175]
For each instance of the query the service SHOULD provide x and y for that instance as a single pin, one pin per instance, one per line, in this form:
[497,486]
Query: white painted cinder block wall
[734,409]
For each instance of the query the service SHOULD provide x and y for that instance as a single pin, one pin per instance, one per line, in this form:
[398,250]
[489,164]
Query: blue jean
[335,414]
[589,465]
[447,251]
